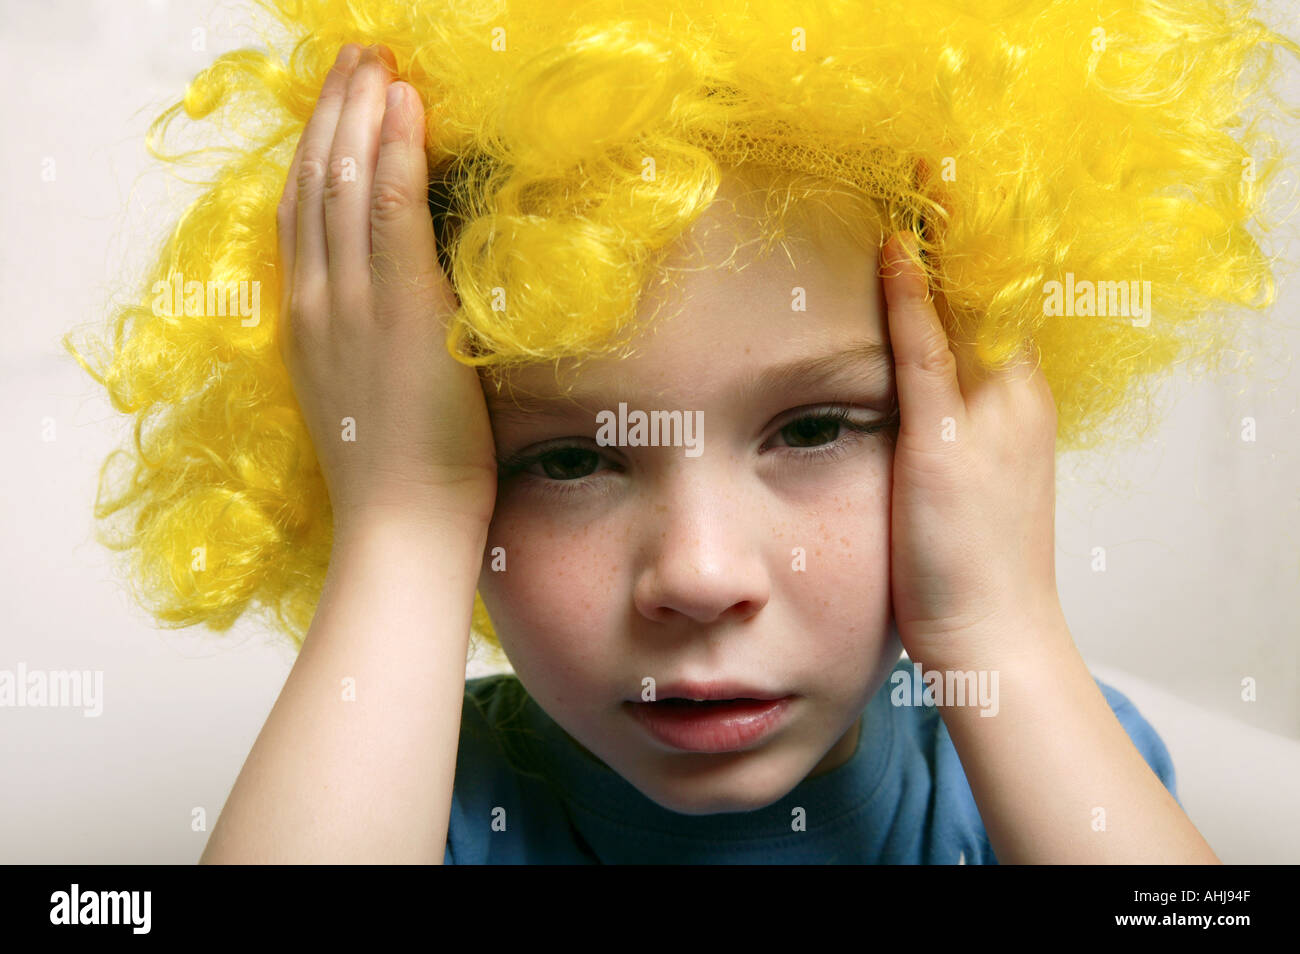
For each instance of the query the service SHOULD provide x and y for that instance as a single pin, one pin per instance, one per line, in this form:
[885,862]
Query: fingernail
[908,241]
[383,53]
[893,246]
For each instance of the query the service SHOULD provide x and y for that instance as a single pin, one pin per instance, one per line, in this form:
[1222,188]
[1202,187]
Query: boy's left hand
[972,536]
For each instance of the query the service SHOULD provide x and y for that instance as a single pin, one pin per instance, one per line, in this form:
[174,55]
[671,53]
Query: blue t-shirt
[901,799]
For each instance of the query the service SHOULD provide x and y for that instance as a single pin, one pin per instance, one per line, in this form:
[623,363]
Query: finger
[286,214]
[312,255]
[403,249]
[286,228]
[1002,386]
[925,367]
[300,219]
[969,370]
[1023,384]
[351,175]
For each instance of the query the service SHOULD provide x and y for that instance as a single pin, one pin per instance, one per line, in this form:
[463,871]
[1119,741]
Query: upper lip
[713,690]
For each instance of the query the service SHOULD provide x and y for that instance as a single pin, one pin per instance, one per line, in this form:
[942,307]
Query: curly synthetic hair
[1110,141]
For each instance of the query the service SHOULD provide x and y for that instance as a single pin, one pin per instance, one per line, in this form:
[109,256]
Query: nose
[702,555]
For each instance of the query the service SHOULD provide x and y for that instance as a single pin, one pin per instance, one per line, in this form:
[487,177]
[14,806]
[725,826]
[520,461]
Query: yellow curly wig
[572,143]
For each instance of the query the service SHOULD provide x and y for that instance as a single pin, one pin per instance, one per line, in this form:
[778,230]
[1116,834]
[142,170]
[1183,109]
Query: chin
[743,788]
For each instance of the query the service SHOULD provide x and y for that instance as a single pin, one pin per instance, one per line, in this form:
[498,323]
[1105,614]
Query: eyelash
[515,464]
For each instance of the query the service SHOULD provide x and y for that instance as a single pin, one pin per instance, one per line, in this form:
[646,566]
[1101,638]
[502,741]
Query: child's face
[628,562]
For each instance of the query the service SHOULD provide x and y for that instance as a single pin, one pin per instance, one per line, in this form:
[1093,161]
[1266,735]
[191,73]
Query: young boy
[704,638]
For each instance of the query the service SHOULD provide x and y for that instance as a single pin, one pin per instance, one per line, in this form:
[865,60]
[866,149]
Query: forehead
[722,305]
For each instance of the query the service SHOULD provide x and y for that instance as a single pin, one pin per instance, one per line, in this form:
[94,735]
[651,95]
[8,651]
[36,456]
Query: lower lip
[721,728]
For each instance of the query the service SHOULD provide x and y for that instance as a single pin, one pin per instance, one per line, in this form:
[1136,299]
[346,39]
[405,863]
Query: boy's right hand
[364,307]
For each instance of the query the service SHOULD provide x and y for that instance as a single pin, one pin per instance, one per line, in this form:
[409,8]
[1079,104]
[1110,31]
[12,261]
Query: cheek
[834,572]
[554,599]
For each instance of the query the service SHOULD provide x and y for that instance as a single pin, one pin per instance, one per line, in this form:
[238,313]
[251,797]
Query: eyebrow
[869,362]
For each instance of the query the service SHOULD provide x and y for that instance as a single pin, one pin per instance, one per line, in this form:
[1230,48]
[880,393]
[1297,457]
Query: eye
[568,463]
[558,468]
[818,434]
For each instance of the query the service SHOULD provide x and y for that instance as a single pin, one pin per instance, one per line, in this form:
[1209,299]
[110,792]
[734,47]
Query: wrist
[434,518]
[1030,635]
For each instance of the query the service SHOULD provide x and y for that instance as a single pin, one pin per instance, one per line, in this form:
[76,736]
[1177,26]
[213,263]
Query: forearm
[1055,775]
[356,761]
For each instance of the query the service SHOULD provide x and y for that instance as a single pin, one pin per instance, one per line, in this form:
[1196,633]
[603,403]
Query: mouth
[703,703]
[711,725]
[715,691]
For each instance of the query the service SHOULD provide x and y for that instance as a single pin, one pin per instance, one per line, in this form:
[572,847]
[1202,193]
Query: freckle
[844,540]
